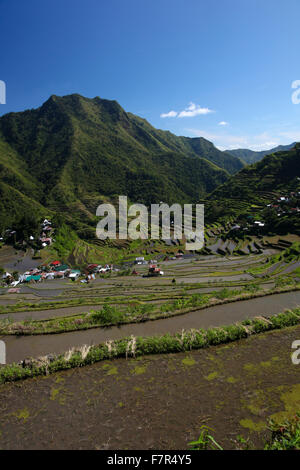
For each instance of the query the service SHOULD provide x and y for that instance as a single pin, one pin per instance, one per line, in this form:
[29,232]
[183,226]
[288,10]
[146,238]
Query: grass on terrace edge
[284,436]
[140,346]
[110,315]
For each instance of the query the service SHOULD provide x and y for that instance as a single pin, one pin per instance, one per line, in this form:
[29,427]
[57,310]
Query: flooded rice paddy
[206,274]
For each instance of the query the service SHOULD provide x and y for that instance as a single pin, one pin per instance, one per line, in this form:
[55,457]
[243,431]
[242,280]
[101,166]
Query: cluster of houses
[153,270]
[288,204]
[45,237]
[256,224]
[283,205]
[141,260]
[46,233]
[56,270]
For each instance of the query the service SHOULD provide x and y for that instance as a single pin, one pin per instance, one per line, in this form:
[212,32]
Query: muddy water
[192,280]
[21,264]
[207,290]
[291,268]
[20,347]
[231,246]
[215,246]
[23,289]
[44,314]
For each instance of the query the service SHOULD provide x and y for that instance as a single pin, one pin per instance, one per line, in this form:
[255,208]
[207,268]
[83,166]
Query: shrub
[225,293]
[106,315]
[285,436]
[184,341]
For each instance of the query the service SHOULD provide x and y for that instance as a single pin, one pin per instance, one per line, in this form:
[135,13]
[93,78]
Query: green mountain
[249,156]
[256,185]
[192,147]
[73,153]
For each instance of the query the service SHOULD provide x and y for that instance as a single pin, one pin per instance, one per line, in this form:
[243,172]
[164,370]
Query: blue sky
[224,67]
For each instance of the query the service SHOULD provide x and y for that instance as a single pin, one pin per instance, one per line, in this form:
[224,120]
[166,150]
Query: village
[59,270]
[285,205]
[53,270]
[288,204]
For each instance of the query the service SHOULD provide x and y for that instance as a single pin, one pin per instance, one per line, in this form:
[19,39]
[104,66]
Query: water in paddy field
[20,261]
[22,347]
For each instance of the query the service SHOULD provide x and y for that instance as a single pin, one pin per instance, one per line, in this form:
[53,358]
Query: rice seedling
[205,441]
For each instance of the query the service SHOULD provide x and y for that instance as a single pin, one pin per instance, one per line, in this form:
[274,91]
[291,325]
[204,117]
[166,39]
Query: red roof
[55,263]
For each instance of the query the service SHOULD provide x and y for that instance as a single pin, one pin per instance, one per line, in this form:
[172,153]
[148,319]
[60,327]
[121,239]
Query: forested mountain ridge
[250,156]
[73,152]
[257,184]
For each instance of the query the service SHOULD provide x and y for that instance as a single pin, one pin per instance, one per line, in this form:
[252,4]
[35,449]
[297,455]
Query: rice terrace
[150,236]
[51,328]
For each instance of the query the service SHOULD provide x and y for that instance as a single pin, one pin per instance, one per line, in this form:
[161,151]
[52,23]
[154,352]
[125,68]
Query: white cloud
[264,141]
[223,123]
[293,136]
[224,140]
[192,110]
[169,114]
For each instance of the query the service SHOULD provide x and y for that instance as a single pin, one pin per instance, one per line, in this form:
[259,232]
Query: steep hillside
[276,175]
[204,148]
[73,152]
[194,147]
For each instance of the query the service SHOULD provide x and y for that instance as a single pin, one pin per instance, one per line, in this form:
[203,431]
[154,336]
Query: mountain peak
[75,150]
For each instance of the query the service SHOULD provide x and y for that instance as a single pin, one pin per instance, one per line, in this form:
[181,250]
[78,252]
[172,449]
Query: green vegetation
[205,441]
[140,312]
[107,315]
[73,153]
[65,241]
[139,346]
[250,190]
[250,156]
[287,256]
[290,254]
[285,436]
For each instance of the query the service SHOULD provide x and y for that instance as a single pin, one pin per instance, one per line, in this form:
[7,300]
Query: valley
[150,229]
[47,325]
[111,326]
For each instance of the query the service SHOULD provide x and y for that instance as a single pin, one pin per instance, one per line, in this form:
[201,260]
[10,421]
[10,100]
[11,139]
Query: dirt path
[157,402]
[20,347]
